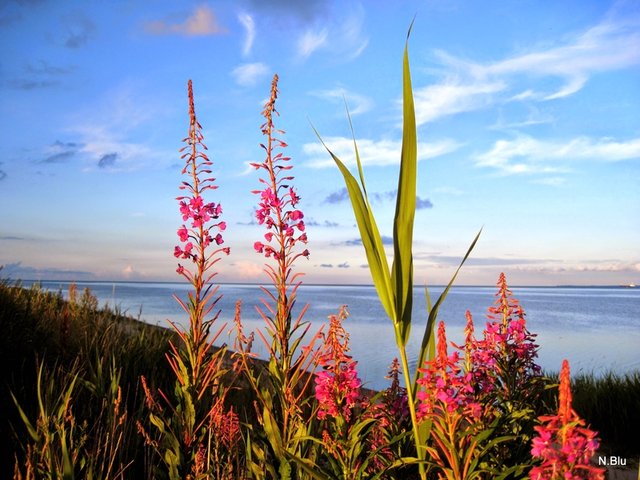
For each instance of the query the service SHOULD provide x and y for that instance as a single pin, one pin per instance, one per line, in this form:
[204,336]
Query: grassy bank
[77,339]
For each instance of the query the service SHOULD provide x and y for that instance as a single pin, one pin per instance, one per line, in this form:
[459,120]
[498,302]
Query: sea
[596,328]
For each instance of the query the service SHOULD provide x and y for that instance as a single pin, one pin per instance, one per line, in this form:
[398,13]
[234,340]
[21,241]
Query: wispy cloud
[306,12]
[452,260]
[78,30]
[422,203]
[40,75]
[24,272]
[342,195]
[340,35]
[453,96]
[31,84]
[326,224]
[310,41]
[201,22]
[250,32]
[386,240]
[357,103]
[372,152]
[249,74]
[107,160]
[60,152]
[529,155]
[338,196]
[111,125]
[613,44]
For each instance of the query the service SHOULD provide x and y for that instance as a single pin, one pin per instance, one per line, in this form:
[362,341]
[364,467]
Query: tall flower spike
[201,228]
[277,210]
[564,401]
[563,442]
[338,385]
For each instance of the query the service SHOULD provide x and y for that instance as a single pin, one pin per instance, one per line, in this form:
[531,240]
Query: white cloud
[372,152]
[551,181]
[614,44]
[110,125]
[529,155]
[357,103]
[250,28]
[342,38]
[453,96]
[351,35]
[200,23]
[310,41]
[248,74]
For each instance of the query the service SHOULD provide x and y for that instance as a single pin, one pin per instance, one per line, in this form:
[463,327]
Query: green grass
[610,404]
[80,338]
[67,339]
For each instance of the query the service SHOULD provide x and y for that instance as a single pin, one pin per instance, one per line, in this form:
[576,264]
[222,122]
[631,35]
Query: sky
[527,127]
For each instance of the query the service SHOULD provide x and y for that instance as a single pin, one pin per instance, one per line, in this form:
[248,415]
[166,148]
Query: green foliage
[395,287]
[46,342]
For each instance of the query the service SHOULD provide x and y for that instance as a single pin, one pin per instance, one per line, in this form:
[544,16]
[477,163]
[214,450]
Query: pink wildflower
[447,389]
[563,442]
[338,385]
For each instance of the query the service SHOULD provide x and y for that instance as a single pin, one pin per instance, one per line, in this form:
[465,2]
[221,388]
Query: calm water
[597,329]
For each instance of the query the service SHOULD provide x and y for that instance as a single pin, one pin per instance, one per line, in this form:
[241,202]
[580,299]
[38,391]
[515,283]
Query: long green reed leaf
[402,270]
[427,347]
[369,234]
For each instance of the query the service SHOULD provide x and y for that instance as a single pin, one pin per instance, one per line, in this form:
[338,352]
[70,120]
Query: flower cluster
[506,349]
[277,209]
[563,442]
[394,397]
[199,213]
[447,389]
[201,232]
[337,385]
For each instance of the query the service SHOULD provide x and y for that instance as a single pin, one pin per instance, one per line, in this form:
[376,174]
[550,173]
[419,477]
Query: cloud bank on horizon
[526,119]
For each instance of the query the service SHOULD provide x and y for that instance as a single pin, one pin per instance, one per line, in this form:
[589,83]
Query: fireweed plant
[194,434]
[448,403]
[283,403]
[563,443]
[346,425]
[482,400]
[505,376]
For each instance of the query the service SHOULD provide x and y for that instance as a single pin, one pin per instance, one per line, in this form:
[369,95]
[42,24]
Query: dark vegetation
[77,337]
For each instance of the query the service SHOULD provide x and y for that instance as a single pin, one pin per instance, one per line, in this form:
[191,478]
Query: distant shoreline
[332,285]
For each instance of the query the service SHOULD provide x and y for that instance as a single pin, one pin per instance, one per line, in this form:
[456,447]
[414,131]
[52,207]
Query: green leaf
[402,270]
[67,465]
[369,233]
[157,422]
[433,312]
[272,431]
[33,433]
[309,467]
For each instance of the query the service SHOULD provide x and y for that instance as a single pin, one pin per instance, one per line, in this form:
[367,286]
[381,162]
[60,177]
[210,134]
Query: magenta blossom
[563,442]
[338,385]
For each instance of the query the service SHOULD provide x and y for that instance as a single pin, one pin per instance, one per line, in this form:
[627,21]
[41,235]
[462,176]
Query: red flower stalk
[201,231]
[563,442]
[395,397]
[448,390]
[338,385]
[285,227]
[506,356]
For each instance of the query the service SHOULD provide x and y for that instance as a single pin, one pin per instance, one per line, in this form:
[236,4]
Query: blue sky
[527,123]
